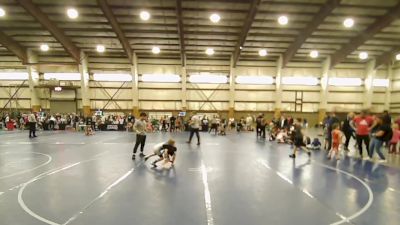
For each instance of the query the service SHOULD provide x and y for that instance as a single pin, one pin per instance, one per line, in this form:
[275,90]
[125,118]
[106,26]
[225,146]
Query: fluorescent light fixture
[14,76]
[121,77]
[348,23]
[144,15]
[314,54]
[62,76]
[215,18]
[380,83]
[100,48]
[342,81]
[262,52]
[283,20]
[155,50]
[161,78]
[208,79]
[72,13]
[210,51]
[44,47]
[398,57]
[58,89]
[254,80]
[309,81]
[2,12]
[363,55]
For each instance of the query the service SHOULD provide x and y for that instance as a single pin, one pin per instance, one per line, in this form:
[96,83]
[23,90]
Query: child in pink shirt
[395,139]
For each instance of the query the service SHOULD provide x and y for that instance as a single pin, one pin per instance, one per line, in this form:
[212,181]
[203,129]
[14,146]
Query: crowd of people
[374,131]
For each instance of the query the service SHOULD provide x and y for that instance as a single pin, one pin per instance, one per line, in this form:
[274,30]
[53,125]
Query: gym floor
[68,178]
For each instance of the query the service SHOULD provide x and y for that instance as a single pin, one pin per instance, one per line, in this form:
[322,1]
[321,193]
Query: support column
[323,105]
[85,91]
[368,91]
[389,88]
[231,112]
[183,84]
[33,81]
[135,86]
[278,88]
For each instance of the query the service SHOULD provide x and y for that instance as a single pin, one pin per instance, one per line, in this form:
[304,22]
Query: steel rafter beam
[369,33]
[116,27]
[387,57]
[316,21]
[181,31]
[57,33]
[13,47]
[245,29]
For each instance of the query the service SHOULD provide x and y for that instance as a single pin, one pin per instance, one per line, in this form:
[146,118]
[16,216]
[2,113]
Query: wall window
[121,77]
[161,78]
[254,80]
[307,81]
[62,76]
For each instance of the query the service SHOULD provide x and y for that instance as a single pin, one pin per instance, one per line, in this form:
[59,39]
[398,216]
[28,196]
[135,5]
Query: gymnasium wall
[204,97]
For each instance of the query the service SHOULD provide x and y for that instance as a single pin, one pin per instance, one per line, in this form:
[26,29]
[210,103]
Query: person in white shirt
[194,124]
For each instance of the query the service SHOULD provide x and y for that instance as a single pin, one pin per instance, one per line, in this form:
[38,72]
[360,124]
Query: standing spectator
[383,134]
[249,123]
[194,124]
[32,126]
[348,130]
[362,123]
[395,139]
[387,119]
[172,126]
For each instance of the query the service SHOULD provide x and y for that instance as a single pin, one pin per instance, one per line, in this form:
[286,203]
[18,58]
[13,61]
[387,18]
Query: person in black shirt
[348,130]
[172,121]
[383,133]
[387,119]
[298,139]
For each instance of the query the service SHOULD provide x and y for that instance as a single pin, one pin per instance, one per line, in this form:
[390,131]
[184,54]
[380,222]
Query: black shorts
[298,142]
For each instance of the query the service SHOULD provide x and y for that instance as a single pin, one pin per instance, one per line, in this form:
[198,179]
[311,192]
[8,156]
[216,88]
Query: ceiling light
[398,57]
[210,51]
[262,52]
[100,48]
[348,22]
[363,55]
[2,12]
[72,13]
[144,15]
[44,47]
[215,18]
[240,47]
[314,54]
[155,50]
[283,20]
